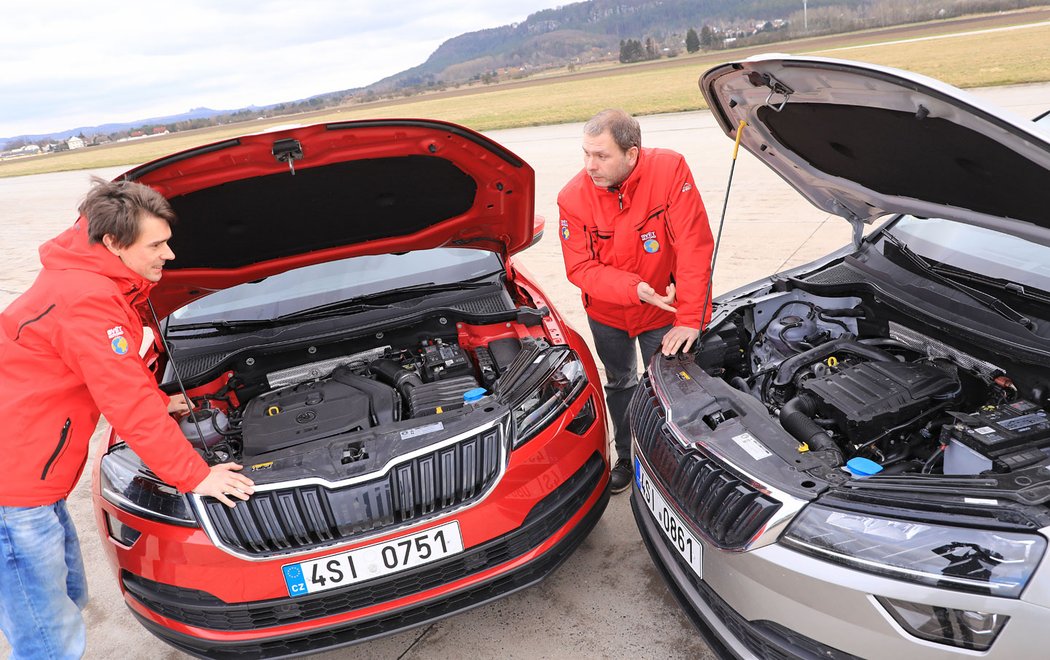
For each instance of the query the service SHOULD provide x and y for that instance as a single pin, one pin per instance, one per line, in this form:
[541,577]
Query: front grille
[310,516]
[766,639]
[203,610]
[728,511]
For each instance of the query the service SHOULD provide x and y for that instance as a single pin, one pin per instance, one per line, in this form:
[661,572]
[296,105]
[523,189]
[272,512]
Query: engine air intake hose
[392,372]
[797,419]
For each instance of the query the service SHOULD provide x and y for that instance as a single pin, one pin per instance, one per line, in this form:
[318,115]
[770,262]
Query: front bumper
[492,564]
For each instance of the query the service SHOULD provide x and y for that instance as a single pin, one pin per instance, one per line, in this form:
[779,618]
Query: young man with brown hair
[632,225]
[69,351]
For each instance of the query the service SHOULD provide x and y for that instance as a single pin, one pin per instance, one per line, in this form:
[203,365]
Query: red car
[425,432]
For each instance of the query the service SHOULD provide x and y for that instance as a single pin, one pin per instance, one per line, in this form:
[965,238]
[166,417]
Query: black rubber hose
[786,370]
[394,374]
[797,419]
[740,384]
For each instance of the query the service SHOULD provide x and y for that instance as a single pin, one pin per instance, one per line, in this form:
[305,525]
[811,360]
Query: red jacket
[653,228]
[69,348]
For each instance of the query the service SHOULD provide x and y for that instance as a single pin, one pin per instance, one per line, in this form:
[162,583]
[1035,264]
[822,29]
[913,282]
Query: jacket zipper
[42,315]
[619,198]
[58,450]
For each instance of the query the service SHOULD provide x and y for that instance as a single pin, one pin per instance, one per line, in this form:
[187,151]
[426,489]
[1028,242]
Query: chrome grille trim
[295,519]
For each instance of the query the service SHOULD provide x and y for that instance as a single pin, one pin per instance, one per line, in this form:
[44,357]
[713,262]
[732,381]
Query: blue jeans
[42,583]
[616,350]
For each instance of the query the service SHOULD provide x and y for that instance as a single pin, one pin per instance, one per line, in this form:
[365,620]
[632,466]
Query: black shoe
[621,476]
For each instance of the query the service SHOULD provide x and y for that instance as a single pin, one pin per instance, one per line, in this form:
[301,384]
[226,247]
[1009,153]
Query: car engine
[849,382]
[254,414]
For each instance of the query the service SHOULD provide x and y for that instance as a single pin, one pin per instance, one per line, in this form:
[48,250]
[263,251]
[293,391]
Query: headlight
[558,379]
[127,484]
[978,561]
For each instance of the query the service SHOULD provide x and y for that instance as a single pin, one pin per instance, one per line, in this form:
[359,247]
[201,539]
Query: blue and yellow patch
[119,345]
[564,233]
[651,246]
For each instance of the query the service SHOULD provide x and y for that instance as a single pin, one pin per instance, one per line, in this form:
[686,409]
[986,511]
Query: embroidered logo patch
[564,230]
[119,345]
[649,242]
[115,331]
[687,187]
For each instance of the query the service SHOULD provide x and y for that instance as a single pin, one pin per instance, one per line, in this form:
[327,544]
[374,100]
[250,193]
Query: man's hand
[647,294]
[677,337]
[178,406]
[223,481]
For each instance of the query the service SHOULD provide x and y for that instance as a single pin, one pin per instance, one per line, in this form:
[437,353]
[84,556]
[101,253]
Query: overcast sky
[71,63]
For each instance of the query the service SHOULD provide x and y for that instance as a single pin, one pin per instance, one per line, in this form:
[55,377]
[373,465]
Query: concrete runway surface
[607,600]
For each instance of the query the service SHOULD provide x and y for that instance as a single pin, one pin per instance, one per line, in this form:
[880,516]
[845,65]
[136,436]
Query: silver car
[856,460]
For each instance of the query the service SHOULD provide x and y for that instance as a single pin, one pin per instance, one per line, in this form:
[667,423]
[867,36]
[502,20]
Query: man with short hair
[636,241]
[69,350]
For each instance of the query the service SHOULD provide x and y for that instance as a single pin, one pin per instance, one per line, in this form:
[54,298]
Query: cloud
[69,63]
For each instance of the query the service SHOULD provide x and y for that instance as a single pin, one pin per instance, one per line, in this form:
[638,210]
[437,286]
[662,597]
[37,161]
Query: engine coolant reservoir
[213,423]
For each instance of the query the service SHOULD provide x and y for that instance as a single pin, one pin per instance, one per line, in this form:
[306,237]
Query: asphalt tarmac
[607,600]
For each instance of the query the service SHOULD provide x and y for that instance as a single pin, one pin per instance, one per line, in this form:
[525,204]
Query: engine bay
[261,405]
[866,392]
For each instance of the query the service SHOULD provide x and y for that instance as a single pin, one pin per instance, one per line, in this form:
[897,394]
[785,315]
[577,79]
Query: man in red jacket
[69,350]
[636,241]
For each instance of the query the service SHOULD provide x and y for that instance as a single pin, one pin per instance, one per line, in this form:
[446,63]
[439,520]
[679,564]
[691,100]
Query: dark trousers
[616,350]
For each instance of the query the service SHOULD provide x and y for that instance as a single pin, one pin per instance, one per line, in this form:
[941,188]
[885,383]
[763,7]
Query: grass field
[969,52]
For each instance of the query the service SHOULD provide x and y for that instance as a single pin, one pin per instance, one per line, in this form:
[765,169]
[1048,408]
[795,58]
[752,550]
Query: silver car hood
[862,141]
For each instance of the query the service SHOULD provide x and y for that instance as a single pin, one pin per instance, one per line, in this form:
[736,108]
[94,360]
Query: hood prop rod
[208,455]
[718,240]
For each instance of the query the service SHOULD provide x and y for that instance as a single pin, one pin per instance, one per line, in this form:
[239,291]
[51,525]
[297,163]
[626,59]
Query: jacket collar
[626,189]
[71,250]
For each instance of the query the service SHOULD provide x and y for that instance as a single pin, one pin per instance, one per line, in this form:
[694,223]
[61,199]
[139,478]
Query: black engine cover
[305,412]
[871,397]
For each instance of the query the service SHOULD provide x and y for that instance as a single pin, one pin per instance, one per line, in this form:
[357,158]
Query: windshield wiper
[991,302]
[344,307]
[221,325]
[1015,288]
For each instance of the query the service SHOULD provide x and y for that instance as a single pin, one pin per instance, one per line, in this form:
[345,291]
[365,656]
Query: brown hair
[115,207]
[623,127]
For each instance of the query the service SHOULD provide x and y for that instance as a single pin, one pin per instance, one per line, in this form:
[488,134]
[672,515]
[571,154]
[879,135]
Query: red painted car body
[447,435]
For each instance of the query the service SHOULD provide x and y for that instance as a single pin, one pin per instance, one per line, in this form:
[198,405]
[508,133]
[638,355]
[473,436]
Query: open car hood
[862,141]
[261,204]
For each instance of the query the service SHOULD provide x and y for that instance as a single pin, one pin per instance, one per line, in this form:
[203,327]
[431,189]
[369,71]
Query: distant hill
[587,31]
[105,129]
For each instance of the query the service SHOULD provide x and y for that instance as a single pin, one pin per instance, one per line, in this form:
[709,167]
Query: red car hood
[257,205]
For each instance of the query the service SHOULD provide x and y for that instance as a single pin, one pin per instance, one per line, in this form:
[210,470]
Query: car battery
[1011,435]
[439,361]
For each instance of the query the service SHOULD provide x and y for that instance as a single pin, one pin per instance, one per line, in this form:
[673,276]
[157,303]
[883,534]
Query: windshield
[978,250]
[322,284]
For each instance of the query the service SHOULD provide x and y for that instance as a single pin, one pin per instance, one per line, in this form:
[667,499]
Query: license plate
[373,561]
[668,521]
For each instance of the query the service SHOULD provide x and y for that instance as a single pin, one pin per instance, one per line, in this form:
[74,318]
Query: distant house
[159,130]
[75,142]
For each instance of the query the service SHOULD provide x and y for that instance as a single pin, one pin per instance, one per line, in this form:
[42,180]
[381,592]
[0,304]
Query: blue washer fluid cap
[470,396]
[863,467]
